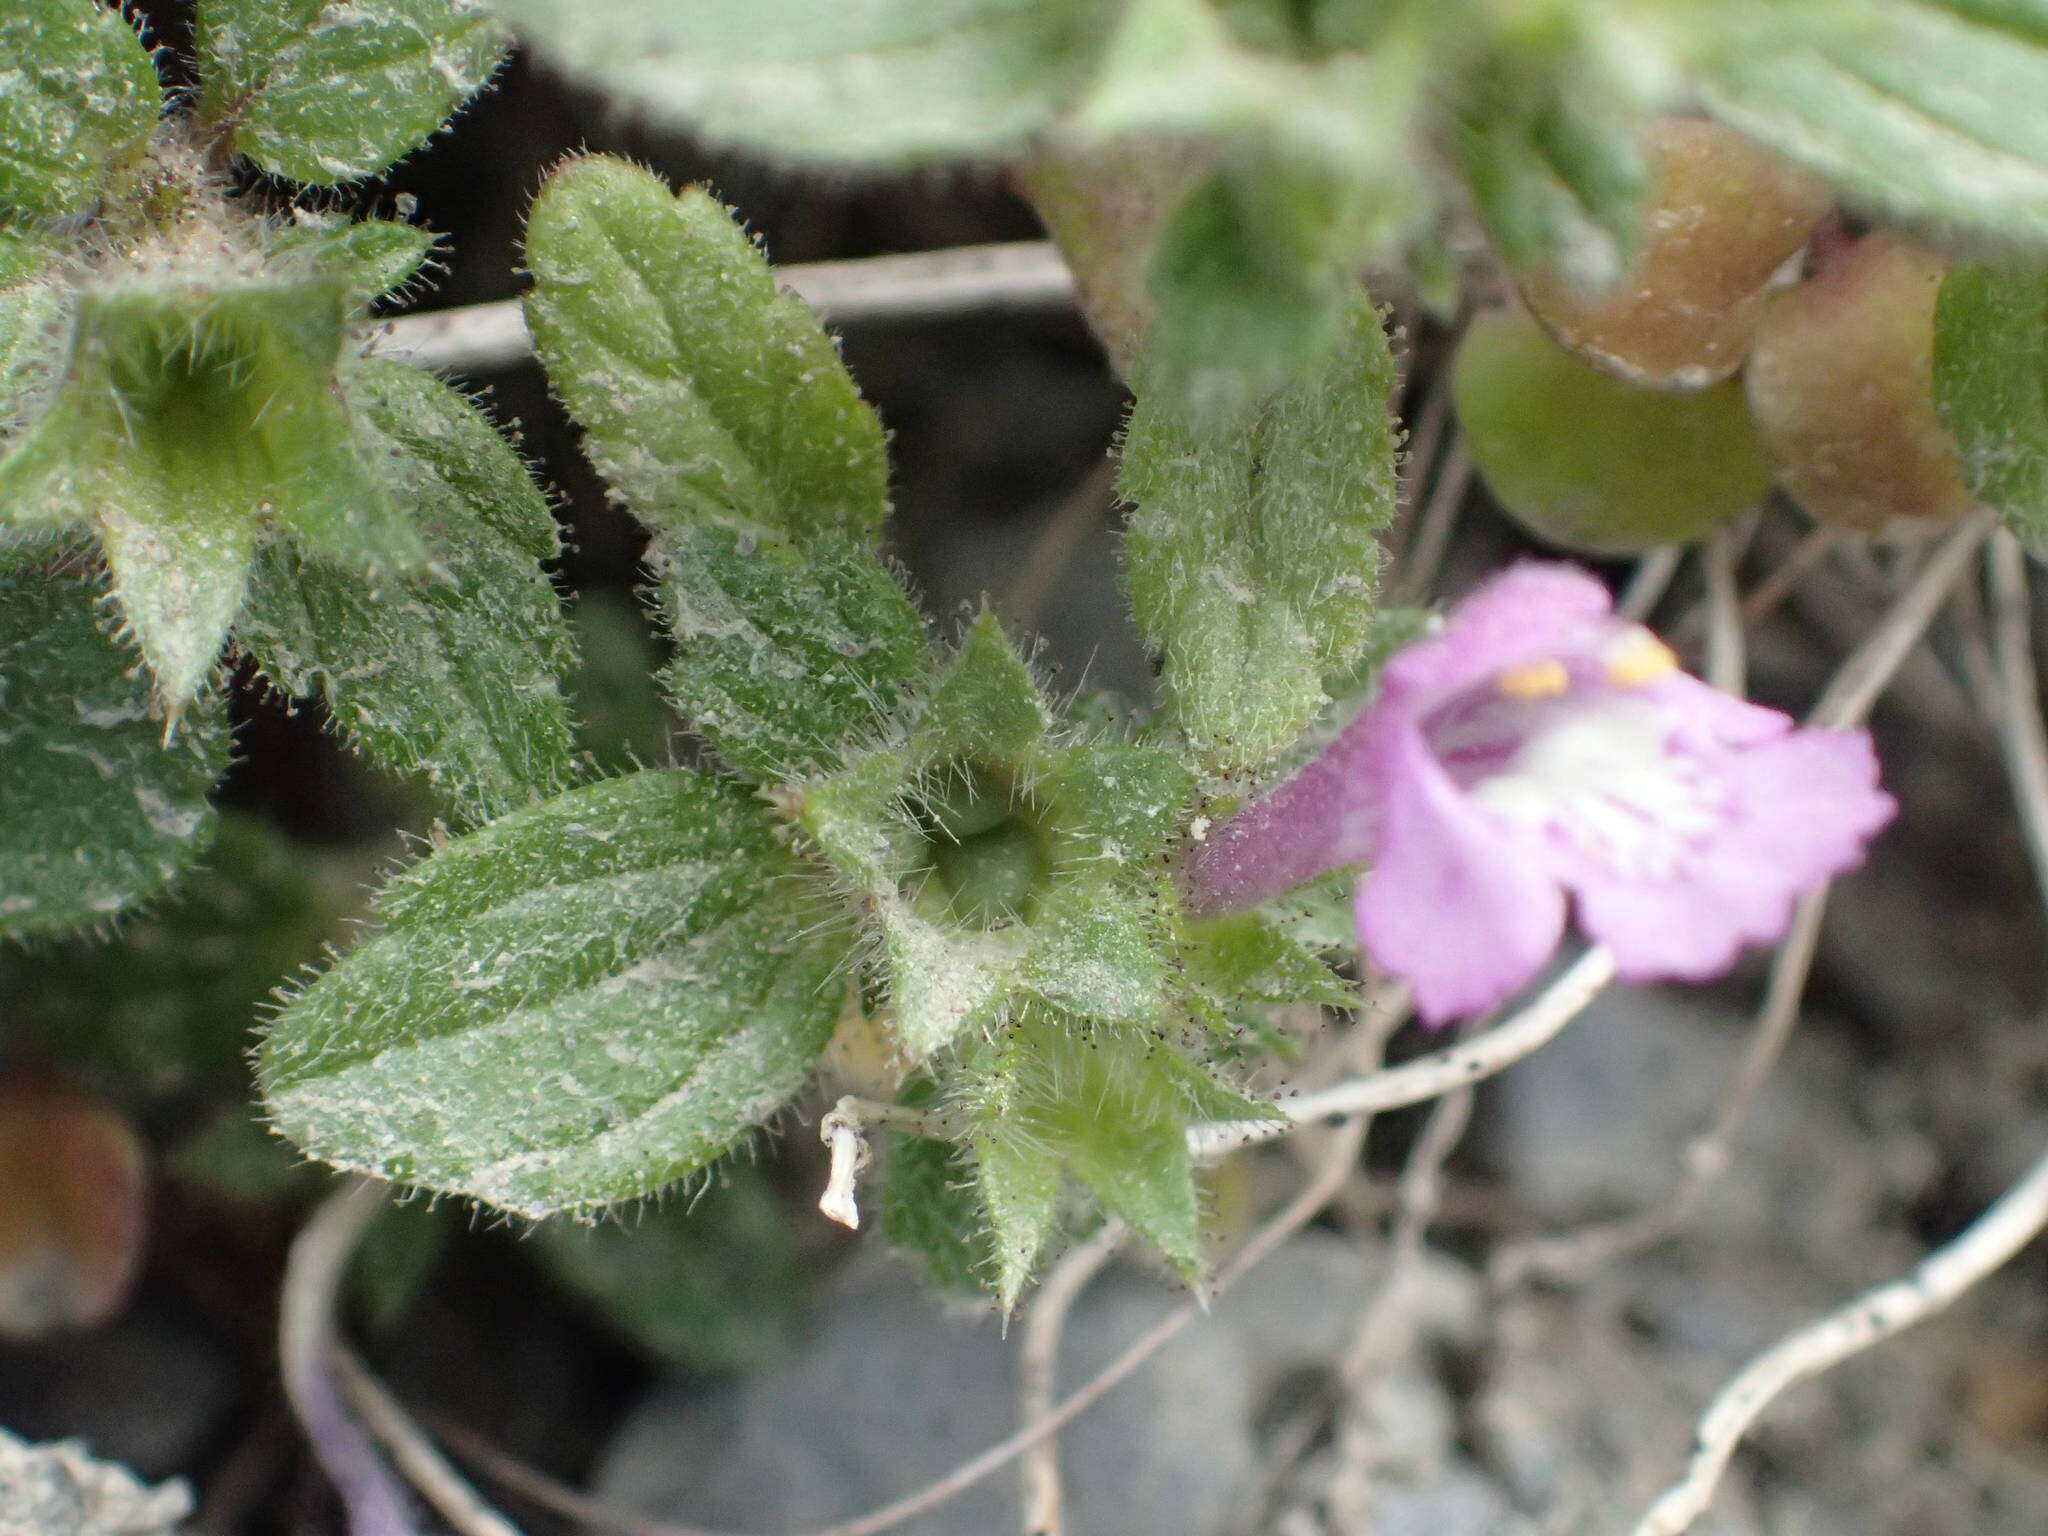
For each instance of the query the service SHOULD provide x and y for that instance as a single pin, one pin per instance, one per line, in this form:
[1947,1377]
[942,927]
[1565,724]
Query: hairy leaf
[704,395]
[1927,110]
[562,1034]
[78,99]
[1991,385]
[931,1209]
[867,82]
[782,653]
[375,257]
[327,91]
[455,672]
[168,1005]
[98,811]
[1253,556]
[31,308]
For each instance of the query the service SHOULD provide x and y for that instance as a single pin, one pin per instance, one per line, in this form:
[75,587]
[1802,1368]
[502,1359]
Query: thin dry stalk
[1727,654]
[969,279]
[1648,582]
[1078,516]
[1434,527]
[2020,731]
[2014,1220]
[415,1454]
[1038,1374]
[1573,1256]
[373,1497]
[1385,1324]
[1427,1077]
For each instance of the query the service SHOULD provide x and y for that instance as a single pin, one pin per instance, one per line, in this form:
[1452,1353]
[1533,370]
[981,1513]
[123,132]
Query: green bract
[453,670]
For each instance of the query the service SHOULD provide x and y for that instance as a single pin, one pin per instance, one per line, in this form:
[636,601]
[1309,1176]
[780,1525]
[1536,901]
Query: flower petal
[1458,905]
[1801,809]
[1528,612]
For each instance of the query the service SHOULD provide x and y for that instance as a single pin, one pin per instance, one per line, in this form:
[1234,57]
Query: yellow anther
[1537,680]
[1639,658]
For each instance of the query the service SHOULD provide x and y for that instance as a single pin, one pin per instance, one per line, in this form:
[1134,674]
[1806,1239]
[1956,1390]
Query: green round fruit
[1584,461]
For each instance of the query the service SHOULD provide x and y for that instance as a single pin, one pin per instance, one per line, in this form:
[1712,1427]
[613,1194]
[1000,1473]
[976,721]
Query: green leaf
[1991,386]
[710,1284]
[549,1034]
[1249,956]
[931,1208]
[945,979]
[783,654]
[1253,554]
[1548,136]
[1114,804]
[704,395]
[31,315]
[457,672]
[375,257]
[1112,1107]
[1019,1185]
[79,98]
[179,573]
[883,82]
[168,1005]
[98,811]
[327,91]
[1925,110]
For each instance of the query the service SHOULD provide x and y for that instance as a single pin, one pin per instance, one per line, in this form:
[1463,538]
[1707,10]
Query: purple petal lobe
[1452,906]
[1797,811]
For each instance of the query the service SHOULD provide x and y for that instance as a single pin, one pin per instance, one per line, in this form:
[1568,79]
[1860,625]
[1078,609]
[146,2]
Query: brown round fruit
[1724,213]
[1841,383]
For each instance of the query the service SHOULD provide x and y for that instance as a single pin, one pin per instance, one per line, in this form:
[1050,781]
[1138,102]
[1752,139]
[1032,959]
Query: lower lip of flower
[1604,781]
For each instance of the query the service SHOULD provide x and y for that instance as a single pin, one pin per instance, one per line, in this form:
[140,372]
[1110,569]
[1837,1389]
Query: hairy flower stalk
[1540,749]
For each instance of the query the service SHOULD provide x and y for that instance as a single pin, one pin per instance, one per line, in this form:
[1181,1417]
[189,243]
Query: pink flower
[1539,747]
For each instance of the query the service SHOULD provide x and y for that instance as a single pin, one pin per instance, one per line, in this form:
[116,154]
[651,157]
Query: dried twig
[415,1454]
[1434,526]
[1038,1373]
[1430,1076]
[1727,665]
[1574,1255]
[1079,515]
[1648,582]
[2015,1219]
[372,1495]
[1863,676]
[1377,1340]
[2012,1221]
[2020,731]
[969,279]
